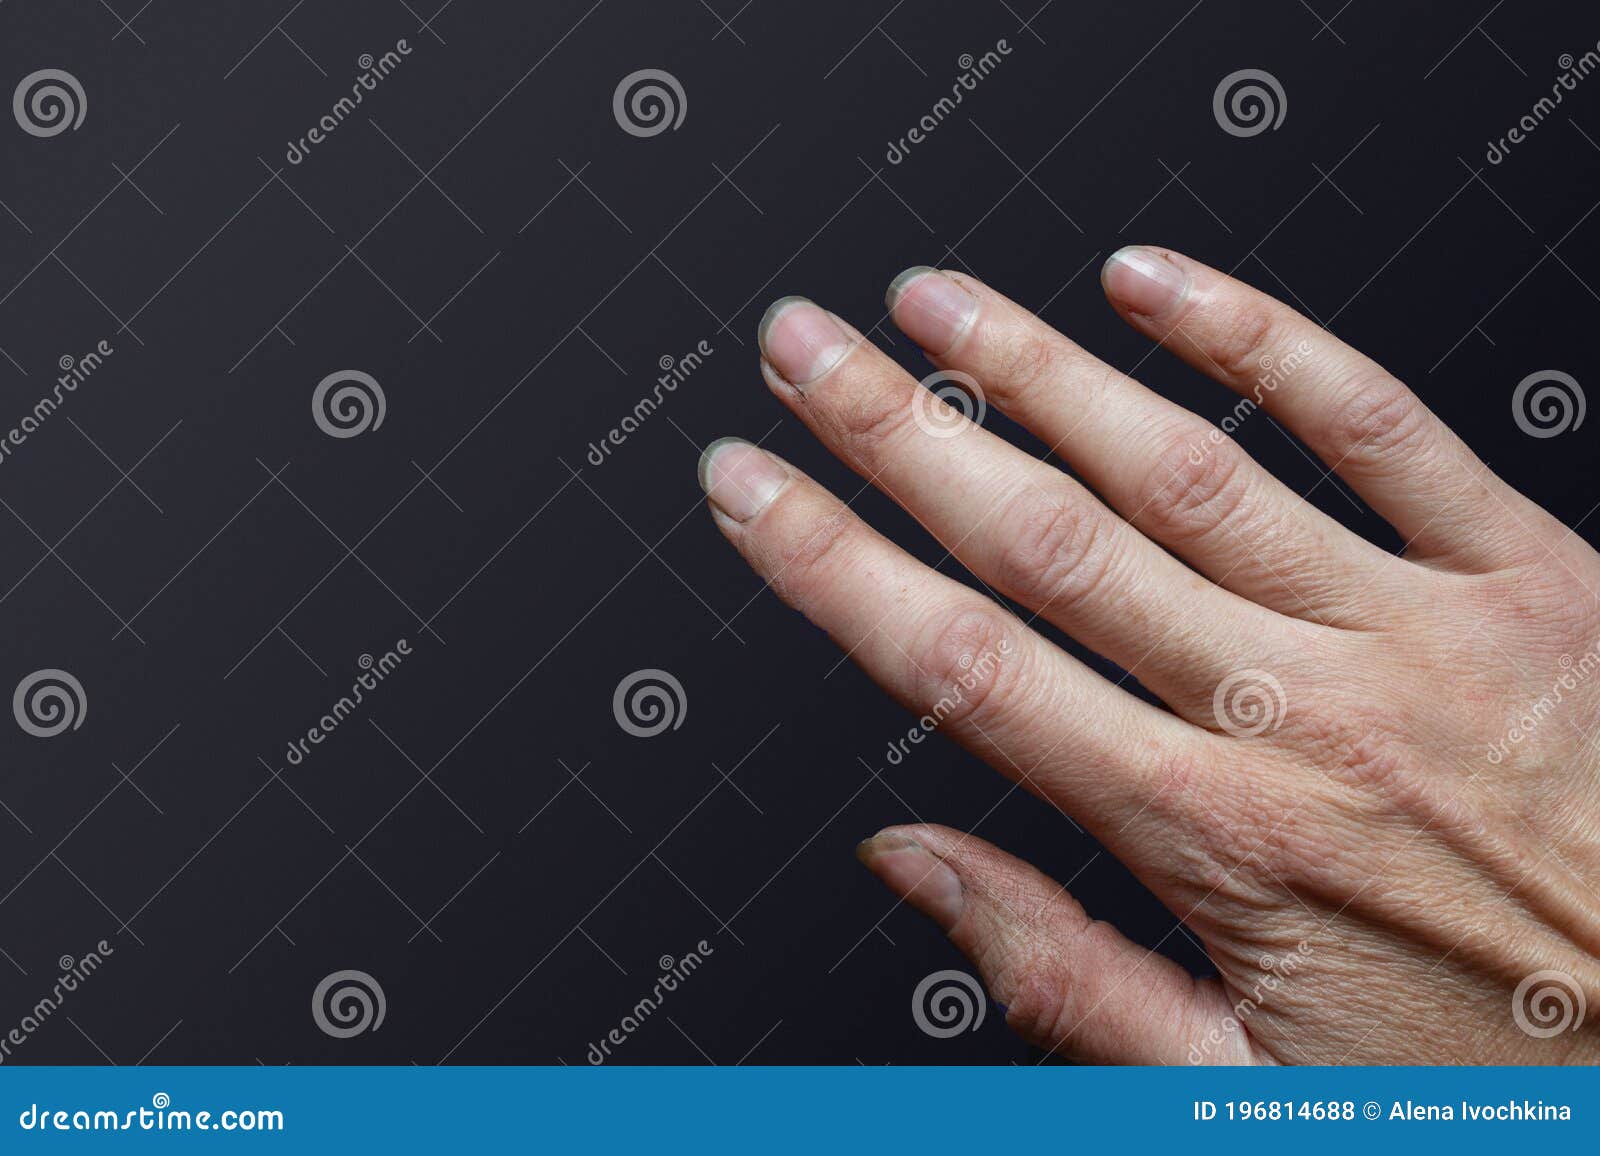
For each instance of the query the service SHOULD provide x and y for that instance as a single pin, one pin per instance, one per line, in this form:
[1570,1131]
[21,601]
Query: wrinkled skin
[1374,796]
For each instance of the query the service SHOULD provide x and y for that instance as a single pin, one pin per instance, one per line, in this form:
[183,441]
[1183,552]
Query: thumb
[1071,984]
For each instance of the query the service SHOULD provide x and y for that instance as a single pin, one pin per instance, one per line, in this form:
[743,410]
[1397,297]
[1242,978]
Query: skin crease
[1344,801]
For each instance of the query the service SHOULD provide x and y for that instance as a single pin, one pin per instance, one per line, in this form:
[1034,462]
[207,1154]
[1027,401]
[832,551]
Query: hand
[1375,796]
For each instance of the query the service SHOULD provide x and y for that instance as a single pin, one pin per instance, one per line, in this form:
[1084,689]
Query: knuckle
[1182,784]
[871,417]
[1057,550]
[807,550]
[1241,337]
[1039,1002]
[1027,359]
[965,665]
[1549,609]
[1194,485]
[1376,416]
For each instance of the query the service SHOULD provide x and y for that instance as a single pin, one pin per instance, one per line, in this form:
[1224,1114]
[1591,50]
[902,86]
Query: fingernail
[740,479]
[909,869]
[1143,280]
[930,308]
[800,340]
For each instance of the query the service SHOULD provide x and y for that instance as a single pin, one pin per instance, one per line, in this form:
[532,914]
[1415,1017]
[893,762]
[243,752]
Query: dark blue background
[227,892]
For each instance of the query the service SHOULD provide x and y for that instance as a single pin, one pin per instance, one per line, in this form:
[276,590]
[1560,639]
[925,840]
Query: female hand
[1374,797]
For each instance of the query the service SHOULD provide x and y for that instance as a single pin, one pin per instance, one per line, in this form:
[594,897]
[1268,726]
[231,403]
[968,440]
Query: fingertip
[741,479]
[915,874]
[1144,280]
[931,308]
[902,282]
[801,340]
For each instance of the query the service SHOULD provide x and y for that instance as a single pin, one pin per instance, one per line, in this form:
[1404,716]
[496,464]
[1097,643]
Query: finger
[956,659]
[1069,983]
[1019,524]
[1372,430]
[1169,472]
